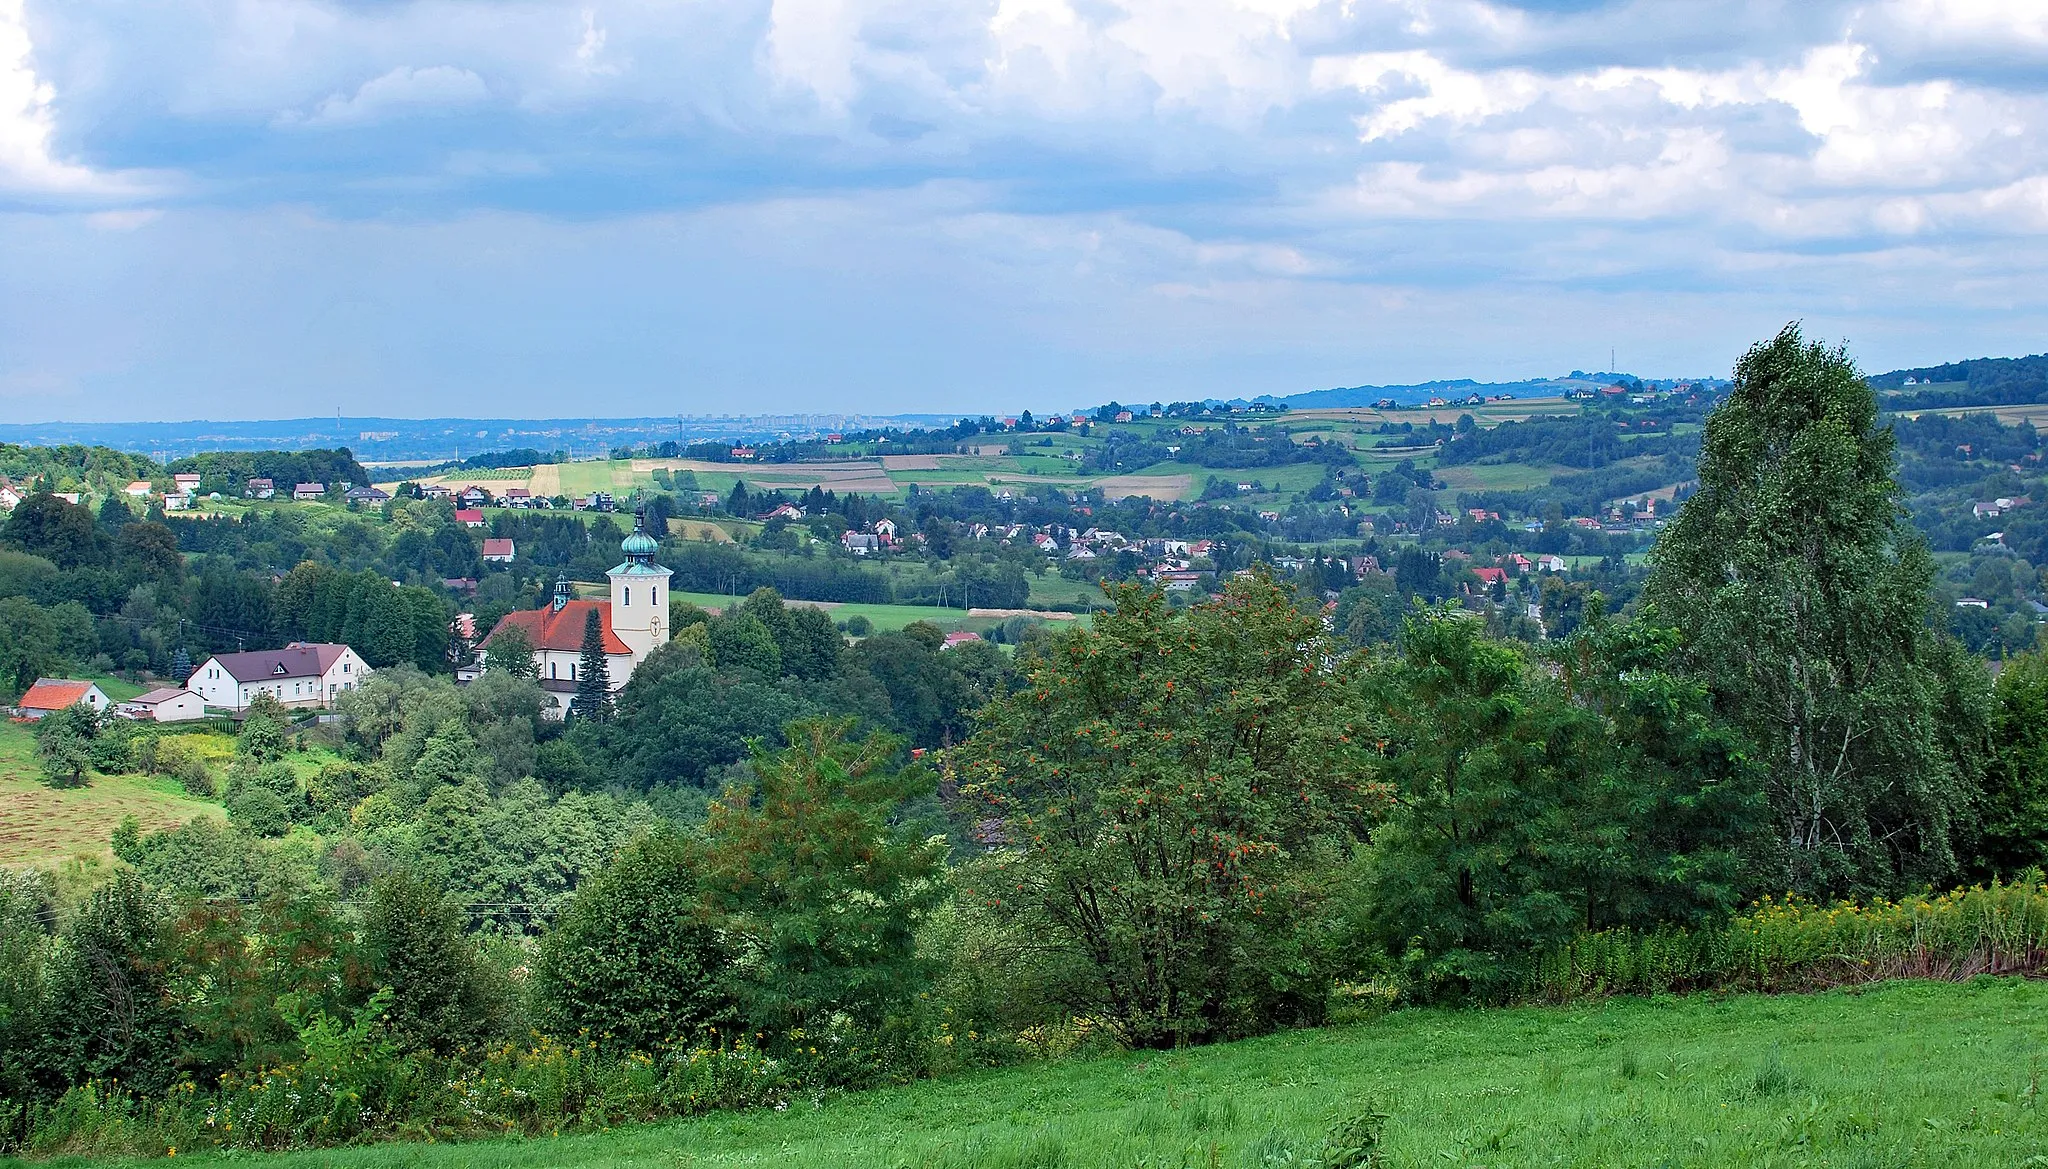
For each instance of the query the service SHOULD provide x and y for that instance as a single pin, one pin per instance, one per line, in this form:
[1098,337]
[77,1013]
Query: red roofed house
[300,674]
[50,695]
[497,551]
[1491,576]
[633,624]
[470,517]
[959,637]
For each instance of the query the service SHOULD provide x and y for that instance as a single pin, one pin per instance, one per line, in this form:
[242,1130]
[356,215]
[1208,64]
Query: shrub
[1793,944]
[633,962]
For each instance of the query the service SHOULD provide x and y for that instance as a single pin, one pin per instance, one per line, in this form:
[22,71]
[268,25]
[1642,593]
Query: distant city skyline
[623,208]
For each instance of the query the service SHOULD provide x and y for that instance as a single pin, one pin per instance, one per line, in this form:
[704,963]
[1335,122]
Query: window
[629,594]
[551,669]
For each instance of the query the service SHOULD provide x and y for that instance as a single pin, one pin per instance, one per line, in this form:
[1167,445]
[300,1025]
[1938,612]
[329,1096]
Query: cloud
[28,160]
[402,92]
[1210,180]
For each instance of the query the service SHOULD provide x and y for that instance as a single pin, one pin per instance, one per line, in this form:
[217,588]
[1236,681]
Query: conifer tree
[593,676]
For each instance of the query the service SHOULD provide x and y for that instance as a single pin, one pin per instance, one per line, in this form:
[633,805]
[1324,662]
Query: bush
[634,963]
[1793,945]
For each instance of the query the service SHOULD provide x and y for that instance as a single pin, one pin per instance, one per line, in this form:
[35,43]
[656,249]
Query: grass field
[44,825]
[1900,1075]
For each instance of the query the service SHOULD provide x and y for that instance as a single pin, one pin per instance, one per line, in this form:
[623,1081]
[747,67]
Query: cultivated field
[1920,1075]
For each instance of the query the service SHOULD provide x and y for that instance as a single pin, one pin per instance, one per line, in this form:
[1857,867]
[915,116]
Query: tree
[262,738]
[108,1010]
[442,996]
[593,699]
[634,961]
[1526,808]
[1802,599]
[2016,788]
[818,887]
[1173,784]
[741,641]
[64,744]
[511,652]
[57,530]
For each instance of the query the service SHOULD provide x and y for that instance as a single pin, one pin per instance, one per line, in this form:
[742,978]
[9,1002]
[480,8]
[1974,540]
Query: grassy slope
[44,825]
[1905,1074]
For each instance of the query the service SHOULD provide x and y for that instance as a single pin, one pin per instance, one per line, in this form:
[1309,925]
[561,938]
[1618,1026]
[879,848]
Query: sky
[420,208]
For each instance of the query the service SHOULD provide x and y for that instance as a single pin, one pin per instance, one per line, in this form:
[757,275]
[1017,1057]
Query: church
[634,623]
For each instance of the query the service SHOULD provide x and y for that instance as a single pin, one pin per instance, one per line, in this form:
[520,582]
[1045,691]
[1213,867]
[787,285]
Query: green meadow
[1900,1075]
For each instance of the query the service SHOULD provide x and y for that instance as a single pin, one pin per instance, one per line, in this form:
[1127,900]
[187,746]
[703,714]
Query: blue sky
[263,208]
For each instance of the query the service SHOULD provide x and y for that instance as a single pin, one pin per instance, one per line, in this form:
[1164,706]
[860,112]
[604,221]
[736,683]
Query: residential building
[497,551]
[187,483]
[137,490]
[517,497]
[309,492]
[260,489]
[301,674]
[469,517]
[50,695]
[368,495]
[169,704]
[860,543]
[10,496]
[632,624]
[472,496]
[958,638]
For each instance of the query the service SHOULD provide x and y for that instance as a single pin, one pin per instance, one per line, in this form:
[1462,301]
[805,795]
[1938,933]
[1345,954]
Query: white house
[633,624]
[50,695]
[300,674]
[498,551]
[166,705]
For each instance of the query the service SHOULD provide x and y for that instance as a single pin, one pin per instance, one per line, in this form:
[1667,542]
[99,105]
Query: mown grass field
[1901,1075]
[43,825]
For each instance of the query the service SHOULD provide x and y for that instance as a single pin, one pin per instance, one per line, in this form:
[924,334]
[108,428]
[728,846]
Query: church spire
[561,590]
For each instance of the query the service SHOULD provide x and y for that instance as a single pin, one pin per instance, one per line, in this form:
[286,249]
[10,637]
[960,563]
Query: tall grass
[1793,945]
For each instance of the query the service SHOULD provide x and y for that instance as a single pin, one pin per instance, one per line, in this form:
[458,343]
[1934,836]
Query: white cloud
[28,120]
[402,92]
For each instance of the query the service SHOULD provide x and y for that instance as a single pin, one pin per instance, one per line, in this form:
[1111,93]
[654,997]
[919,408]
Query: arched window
[629,594]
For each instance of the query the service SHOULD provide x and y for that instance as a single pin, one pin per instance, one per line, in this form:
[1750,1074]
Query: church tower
[640,594]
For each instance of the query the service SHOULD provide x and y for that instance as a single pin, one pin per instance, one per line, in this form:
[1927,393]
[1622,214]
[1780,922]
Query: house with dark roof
[631,625]
[50,695]
[307,492]
[167,704]
[308,674]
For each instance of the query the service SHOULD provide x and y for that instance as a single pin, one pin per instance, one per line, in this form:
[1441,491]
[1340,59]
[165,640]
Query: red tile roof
[497,547]
[53,694]
[469,515]
[562,629]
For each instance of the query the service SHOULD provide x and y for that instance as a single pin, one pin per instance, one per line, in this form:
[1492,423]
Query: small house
[167,704]
[309,492]
[469,517]
[137,490]
[368,495]
[497,551]
[50,695]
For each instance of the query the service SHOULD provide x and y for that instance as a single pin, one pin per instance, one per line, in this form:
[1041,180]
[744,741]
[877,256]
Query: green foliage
[511,653]
[65,744]
[106,1011]
[1526,809]
[815,884]
[263,729]
[443,998]
[740,641]
[635,962]
[1802,598]
[593,699]
[2016,783]
[1797,945]
[1170,784]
